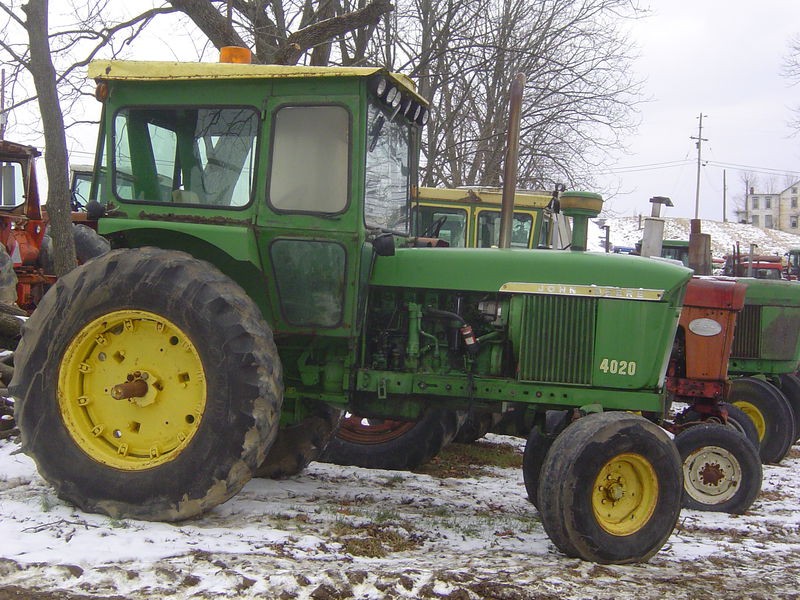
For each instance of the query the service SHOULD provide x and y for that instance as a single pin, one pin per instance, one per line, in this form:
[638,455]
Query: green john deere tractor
[764,361]
[263,280]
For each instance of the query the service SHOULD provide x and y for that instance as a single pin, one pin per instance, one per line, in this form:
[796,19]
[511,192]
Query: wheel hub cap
[625,494]
[711,475]
[132,389]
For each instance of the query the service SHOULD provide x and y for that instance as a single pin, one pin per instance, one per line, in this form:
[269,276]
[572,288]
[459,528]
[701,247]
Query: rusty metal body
[698,371]
[23,223]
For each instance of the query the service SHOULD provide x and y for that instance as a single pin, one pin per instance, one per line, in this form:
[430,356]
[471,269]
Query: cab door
[306,225]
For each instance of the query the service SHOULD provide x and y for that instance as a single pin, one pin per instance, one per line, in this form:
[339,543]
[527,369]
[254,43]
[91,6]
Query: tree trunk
[55,155]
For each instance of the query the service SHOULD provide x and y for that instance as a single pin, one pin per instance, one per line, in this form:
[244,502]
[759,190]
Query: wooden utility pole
[724,196]
[700,139]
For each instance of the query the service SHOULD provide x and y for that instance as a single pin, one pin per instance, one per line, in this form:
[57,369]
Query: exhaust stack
[512,155]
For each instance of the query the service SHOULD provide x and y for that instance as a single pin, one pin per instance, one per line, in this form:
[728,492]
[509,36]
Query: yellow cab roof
[173,70]
[487,196]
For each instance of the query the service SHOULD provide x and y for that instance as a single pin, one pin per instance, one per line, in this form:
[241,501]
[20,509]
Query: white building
[773,210]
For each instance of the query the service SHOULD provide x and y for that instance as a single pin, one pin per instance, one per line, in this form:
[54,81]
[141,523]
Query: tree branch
[326,30]
[210,22]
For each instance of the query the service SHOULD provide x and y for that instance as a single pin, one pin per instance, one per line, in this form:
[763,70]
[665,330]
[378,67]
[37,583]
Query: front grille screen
[557,339]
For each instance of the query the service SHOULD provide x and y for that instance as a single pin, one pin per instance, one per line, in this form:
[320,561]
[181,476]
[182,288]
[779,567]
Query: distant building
[773,211]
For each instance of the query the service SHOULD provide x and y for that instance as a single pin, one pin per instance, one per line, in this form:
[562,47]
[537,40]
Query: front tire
[721,469]
[148,386]
[536,449]
[790,386]
[610,489]
[770,412]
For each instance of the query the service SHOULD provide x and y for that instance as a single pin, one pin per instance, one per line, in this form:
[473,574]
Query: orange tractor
[26,249]
[22,227]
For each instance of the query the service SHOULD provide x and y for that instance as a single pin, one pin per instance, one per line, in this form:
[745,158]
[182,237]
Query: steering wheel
[434,228]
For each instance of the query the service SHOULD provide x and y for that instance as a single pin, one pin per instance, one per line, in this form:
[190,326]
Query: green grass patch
[374,540]
[472,460]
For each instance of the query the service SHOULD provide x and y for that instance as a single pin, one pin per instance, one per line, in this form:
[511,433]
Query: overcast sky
[719,57]
[722,58]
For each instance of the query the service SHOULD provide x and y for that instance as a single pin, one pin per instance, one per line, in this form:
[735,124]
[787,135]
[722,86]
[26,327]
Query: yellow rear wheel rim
[625,494]
[755,415]
[132,390]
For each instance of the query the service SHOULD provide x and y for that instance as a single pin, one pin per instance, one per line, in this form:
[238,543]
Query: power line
[763,170]
[685,162]
[651,167]
[656,164]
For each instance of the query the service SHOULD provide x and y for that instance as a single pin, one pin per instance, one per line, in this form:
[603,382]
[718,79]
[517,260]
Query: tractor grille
[747,339]
[557,339]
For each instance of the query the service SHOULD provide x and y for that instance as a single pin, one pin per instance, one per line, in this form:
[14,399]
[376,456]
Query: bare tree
[791,70]
[30,58]
[287,32]
[749,184]
[44,78]
[579,100]
[89,34]
[280,32]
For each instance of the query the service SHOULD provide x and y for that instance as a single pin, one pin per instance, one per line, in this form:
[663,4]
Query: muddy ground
[454,530]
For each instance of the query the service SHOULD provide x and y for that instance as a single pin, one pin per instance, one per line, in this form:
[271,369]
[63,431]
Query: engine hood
[767,292]
[529,271]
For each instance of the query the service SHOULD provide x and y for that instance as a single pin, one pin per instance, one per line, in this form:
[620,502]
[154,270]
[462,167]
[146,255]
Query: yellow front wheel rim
[132,390]
[625,494]
[755,415]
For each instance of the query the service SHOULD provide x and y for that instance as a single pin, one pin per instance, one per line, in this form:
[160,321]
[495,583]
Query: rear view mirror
[383,244]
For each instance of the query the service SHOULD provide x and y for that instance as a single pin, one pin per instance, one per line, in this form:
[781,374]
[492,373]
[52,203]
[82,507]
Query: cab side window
[310,159]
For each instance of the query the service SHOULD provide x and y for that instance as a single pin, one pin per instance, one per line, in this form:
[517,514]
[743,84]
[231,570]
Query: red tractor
[26,249]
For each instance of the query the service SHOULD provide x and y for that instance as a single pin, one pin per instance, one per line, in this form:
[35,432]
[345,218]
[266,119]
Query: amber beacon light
[235,54]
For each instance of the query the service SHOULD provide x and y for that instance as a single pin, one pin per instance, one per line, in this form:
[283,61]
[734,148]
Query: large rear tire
[148,386]
[396,445]
[770,412]
[721,469]
[88,245]
[610,489]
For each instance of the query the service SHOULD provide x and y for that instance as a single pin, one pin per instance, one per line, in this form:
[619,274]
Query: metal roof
[164,71]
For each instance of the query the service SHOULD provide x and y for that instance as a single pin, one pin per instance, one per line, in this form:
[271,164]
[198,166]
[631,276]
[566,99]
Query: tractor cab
[305,168]
[470,217]
[21,224]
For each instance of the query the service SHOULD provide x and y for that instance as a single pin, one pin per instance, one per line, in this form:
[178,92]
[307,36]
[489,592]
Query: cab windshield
[387,183]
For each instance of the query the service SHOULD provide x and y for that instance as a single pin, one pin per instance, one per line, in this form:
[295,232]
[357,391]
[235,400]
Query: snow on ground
[344,532]
[626,231]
